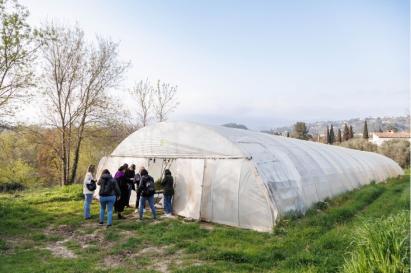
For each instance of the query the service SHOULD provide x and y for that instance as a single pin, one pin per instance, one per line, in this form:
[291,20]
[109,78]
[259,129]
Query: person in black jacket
[108,192]
[137,179]
[168,186]
[123,185]
[129,174]
[147,190]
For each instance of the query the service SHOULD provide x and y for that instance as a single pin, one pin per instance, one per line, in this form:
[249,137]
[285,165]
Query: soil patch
[59,250]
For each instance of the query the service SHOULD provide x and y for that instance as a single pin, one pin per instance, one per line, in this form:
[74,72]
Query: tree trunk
[77,148]
[76,160]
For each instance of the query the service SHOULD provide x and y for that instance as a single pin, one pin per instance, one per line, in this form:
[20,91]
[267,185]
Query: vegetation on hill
[397,150]
[43,231]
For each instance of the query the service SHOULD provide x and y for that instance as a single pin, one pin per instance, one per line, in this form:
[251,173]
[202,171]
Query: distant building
[379,138]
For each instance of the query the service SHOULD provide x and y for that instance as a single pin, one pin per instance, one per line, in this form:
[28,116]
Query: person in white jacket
[88,195]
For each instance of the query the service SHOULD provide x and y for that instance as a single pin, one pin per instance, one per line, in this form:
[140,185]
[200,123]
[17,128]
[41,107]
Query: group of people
[115,192]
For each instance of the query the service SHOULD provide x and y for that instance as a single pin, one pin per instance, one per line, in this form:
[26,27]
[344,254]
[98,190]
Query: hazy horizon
[260,64]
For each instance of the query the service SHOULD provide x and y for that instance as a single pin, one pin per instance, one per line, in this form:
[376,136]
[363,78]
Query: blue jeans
[150,200]
[87,202]
[168,207]
[109,202]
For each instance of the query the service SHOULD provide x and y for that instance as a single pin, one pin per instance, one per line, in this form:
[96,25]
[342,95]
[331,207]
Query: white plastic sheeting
[245,178]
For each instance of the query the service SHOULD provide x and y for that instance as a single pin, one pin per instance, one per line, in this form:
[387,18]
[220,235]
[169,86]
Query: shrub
[381,245]
[360,144]
[397,150]
[11,187]
[18,172]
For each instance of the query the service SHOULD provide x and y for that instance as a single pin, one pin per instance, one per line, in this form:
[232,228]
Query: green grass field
[43,231]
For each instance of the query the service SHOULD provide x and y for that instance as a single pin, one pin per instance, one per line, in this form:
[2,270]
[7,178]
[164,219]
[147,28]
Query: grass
[330,238]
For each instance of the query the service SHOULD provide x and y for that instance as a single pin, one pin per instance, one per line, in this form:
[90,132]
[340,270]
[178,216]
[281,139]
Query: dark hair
[105,171]
[167,172]
[144,172]
[91,168]
[133,167]
[122,168]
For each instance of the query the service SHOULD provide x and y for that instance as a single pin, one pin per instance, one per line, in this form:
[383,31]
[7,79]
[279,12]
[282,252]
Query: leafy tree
[327,135]
[365,132]
[300,131]
[17,54]
[392,127]
[339,138]
[398,150]
[346,133]
[76,77]
[351,132]
[331,135]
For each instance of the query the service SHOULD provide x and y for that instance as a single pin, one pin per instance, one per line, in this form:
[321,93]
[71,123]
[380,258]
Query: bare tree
[143,93]
[17,53]
[76,77]
[165,100]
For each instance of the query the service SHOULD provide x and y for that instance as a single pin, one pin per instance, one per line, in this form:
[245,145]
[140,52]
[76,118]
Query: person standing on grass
[88,194]
[109,190]
[168,186]
[147,193]
[130,173]
[137,179]
[123,186]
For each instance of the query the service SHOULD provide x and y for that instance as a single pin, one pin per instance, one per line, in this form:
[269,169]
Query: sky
[260,63]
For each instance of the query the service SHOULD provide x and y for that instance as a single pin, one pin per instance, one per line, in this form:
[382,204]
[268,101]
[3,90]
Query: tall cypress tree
[346,134]
[327,136]
[351,132]
[339,139]
[365,132]
[331,135]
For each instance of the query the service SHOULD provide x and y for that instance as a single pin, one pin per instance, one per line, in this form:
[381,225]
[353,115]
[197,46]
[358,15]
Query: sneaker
[108,226]
[136,211]
[101,223]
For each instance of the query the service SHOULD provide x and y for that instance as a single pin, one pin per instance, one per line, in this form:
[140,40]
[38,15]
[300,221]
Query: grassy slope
[32,221]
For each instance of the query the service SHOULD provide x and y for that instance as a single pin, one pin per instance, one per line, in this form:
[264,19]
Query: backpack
[149,187]
[92,185]
[106,187]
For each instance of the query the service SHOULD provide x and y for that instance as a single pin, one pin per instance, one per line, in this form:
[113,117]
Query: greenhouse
[244,178]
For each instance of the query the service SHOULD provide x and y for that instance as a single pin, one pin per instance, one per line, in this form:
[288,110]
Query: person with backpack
[168,186]
[109,190]
[147,193]
[137,179]
[123,186]
[89,186]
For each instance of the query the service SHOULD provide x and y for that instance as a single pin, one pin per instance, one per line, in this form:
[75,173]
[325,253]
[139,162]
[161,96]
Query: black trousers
[138,199]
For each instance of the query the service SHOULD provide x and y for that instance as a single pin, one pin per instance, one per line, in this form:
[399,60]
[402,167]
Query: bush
[18,172]
[381,245]
[397,150]
[359,144]
[11,187]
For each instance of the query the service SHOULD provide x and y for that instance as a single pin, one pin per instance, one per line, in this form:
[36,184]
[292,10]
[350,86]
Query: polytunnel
[244,178]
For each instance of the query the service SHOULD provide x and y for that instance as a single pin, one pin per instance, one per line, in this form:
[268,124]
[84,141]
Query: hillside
[374,124]
[43,231]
